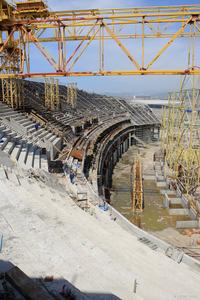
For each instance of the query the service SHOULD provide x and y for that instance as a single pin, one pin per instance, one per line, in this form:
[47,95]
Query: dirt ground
[155,218]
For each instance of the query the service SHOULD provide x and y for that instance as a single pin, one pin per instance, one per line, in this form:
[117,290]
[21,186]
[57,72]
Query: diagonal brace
[181,30]
[124,49]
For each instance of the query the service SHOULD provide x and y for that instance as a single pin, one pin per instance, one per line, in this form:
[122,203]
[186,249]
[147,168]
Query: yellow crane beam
[30,25]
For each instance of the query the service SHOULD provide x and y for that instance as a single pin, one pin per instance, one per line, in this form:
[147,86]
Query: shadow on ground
[16,285]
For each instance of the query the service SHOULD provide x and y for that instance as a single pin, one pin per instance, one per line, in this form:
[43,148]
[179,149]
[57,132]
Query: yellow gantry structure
[60,40]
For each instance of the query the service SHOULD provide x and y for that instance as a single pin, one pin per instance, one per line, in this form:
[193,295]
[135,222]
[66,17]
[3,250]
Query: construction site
[100,196]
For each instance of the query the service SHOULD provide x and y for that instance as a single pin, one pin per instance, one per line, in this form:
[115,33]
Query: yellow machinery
[29,27]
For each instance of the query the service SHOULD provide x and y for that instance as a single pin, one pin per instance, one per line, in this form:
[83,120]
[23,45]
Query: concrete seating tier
[141,114]
[20,139]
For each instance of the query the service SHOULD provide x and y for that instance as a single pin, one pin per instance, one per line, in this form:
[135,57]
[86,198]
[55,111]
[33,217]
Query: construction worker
[37,126]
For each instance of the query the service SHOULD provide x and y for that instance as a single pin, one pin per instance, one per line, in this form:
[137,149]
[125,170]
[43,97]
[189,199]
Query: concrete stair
[9,147]
[23,120]
[4,141]
[37,159]
[16,152]
[30,156]
[44,162]
[23,156]
[26,155]
[25,149]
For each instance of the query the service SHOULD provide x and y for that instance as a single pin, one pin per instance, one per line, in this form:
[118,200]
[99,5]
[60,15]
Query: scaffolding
[72,94]
[52,97]
[137,187]
[181,137]
[13,92]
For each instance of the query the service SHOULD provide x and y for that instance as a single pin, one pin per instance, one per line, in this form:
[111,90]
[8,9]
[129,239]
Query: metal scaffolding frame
[72,94]
[13,92]
[137,186]
[181,138]
[52,97]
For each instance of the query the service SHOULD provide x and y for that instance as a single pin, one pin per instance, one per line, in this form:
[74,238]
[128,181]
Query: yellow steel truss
[31,24]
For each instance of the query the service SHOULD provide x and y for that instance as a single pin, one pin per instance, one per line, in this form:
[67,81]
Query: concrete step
[36,160]
[37,132]
[175,201]
[43,134]
[5,141]
[12,134]
[20,118]
[17,138]
[6,131]
[9,147]
[178,212]
[29,126]
[2,174]
[30,157]
[23,156]
[14,115]
[44,162]
[23,120]
[16,152]
[187,224]
[53,138]
[12,177]
[2,127]
[8,113]
[56,141]
[49,136]
[2,104]
[32,130]
[4,110]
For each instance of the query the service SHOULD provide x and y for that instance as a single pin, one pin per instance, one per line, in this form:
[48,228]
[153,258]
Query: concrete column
[127,144]
[118,151]
[123,147]
[129,137]
[115,157]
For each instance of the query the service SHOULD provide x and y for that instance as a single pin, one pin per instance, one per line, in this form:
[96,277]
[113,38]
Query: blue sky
[175,56]
[84,4]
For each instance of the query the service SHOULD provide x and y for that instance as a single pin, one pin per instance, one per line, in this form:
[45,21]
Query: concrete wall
[121,144]
[187,224]
[163,246]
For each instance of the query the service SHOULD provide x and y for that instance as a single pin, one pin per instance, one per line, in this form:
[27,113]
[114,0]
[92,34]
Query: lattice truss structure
[13,92]
[137,187]
[72,94]
[52,97]
[62,40]
[181,138]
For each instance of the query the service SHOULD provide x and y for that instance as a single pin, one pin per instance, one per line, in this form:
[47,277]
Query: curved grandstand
[46,233]
[85,134]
